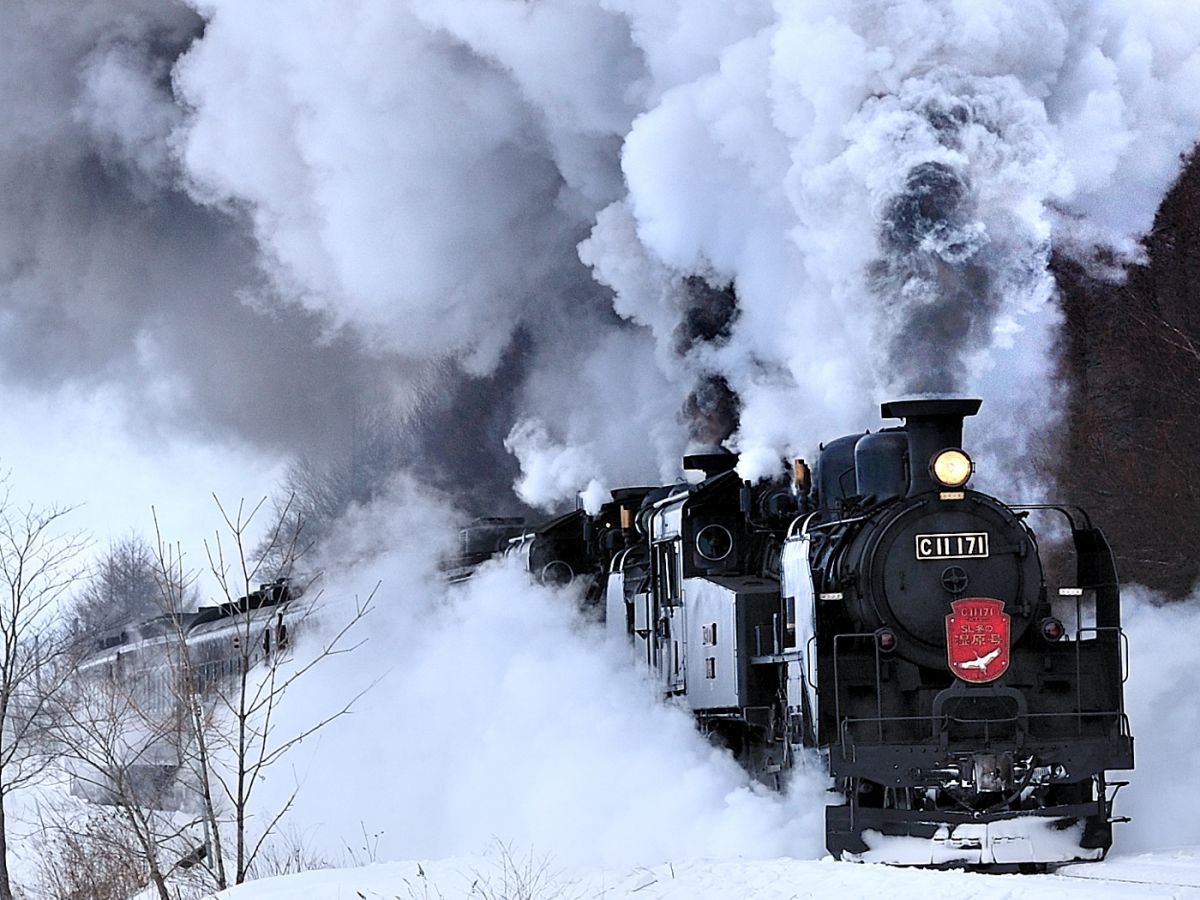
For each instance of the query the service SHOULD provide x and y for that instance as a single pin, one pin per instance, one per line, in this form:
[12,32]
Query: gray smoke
[932,282]
[955,255]
[707,314]
[111,274]
[707,317]
[711,412]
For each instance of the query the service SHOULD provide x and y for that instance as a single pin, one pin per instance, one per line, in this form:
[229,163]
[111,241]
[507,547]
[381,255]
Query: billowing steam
[787,211]
[498,712]
[883,184]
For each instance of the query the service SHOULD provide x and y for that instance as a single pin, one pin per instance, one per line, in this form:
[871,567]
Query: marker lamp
[951,468]
[886,639]
[1053,629]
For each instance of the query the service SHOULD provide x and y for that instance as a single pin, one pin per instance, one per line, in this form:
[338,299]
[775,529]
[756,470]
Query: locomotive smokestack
[712,463]
[931,425]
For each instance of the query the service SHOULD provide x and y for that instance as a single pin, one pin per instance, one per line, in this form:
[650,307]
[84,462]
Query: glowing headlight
[951,468]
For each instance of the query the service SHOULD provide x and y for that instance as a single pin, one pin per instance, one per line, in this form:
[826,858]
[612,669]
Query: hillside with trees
[1131,356]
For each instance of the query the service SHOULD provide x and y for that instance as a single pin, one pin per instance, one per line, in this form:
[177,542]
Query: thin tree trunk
[145,836]
[243,715]
[6,892]
[210,810]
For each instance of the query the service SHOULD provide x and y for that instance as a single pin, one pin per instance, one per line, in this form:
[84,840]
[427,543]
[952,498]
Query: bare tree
[238,755]
[115,735]
[317,492]
[195,699]
[123,587]
[38,565]
[86,853]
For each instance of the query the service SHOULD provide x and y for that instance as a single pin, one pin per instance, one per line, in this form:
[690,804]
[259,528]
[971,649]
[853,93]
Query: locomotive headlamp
[951,468]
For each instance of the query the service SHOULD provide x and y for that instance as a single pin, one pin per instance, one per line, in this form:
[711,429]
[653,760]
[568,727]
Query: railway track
[1178,870]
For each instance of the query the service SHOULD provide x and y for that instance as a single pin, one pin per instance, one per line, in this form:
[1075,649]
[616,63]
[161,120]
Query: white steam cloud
[499,712]
[384,202]
[881,184]
[791,165]
[1164,717]
[401,178]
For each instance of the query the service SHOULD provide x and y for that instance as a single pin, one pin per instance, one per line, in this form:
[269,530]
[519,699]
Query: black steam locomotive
[964,684]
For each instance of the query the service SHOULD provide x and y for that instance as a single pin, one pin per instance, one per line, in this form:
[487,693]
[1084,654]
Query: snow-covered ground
[1162,874]
[616,794]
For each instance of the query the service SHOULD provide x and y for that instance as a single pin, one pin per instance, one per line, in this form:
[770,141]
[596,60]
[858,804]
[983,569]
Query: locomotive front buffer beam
[1002,836]
[1076,833]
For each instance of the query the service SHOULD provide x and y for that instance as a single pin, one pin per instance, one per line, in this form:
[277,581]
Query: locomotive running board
[774,659]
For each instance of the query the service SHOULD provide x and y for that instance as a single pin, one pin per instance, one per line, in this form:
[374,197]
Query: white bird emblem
[979,662]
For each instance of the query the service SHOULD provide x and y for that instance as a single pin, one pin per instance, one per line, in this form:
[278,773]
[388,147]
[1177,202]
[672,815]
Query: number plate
[963,545]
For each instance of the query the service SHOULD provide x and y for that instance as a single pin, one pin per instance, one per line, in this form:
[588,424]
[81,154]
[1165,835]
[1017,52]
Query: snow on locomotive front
[965,723]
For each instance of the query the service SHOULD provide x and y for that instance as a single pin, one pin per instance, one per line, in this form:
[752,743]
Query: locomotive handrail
[791,528]
[938,723]
[822,525]
[668,500]
[618,561]
[1115,714]
[847,740]
[1062,508]
[1122,638]
[960,691]
[810,671]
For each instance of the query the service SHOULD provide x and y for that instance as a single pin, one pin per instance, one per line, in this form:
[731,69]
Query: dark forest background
[1130,453]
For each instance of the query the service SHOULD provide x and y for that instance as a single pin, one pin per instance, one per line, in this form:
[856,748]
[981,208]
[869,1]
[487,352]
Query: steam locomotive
[964,684]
